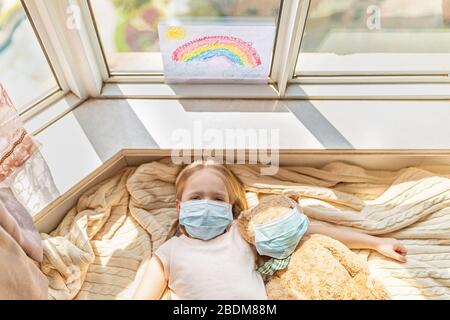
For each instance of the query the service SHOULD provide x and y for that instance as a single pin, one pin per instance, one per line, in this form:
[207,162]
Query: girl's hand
[391,248]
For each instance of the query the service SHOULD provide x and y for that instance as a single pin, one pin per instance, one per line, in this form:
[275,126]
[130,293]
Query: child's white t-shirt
[220,268]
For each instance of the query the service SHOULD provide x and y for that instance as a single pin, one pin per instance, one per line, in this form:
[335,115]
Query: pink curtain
[16,145]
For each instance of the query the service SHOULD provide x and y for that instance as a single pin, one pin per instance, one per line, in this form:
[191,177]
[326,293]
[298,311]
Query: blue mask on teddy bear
[279,238]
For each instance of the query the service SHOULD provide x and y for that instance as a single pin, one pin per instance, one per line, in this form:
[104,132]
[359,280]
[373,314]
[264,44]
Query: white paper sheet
[217,52]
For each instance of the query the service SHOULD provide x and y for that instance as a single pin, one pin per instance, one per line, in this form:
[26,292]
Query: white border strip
[411,91]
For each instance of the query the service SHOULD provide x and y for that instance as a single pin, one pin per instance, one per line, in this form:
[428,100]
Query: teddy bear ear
[244,216]
[242,223]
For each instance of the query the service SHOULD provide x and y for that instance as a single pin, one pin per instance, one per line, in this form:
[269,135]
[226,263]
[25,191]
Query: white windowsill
[98,129]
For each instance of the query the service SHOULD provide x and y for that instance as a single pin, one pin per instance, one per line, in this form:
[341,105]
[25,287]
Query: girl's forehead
[206,178]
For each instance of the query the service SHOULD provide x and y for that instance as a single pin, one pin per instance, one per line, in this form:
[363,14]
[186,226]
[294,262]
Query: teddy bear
[320,268]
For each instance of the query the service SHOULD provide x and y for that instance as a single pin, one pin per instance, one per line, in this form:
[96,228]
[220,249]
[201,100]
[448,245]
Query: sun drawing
[175,33]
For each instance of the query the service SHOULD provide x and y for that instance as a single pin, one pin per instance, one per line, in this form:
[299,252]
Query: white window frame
[53,95]
[71,54]
[350,77]
[363,87]
[38,18]
[153,86]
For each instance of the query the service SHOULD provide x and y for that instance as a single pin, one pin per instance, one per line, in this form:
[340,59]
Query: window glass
[24,70]
[366,37]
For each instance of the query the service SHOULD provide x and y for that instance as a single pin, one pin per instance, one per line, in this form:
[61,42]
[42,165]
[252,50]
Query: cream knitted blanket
[98,250]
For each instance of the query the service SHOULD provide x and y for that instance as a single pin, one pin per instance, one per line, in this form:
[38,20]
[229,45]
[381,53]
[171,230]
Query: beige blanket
[98,250]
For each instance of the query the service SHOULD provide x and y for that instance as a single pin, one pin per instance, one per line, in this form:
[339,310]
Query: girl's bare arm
[355,239]
[153,283]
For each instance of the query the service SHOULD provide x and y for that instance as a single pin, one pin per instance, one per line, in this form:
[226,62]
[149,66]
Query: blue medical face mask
[205,219]
[279,238]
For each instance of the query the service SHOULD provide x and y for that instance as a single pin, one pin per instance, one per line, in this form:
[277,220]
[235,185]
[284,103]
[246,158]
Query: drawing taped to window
[216,53]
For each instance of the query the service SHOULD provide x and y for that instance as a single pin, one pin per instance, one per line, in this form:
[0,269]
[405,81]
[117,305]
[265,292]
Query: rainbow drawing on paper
[235,50]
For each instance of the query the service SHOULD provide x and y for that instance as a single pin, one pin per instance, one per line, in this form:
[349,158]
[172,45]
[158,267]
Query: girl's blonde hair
[234,187]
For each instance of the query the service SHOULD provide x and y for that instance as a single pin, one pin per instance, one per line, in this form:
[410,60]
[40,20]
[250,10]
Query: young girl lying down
[211,260]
